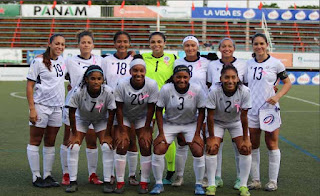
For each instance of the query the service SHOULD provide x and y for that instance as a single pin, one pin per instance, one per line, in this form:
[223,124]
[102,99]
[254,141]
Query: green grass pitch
[299,144]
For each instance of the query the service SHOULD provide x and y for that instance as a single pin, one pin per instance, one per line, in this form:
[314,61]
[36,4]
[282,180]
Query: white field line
[303,100]
[14,94]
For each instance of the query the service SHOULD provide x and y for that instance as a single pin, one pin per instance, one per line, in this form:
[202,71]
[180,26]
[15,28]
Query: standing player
[228,105]
[135,98]
[115,67]
[184,105]
[226,48]
[262,74]
[159,67]
[89,105]
[45,94]
[76,66]
[198,67]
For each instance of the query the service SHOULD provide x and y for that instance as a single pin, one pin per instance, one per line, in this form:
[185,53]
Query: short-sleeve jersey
[228,109]
[77,65]
[135,102]
[181,108]
[159,69]
[115,68]
[215,67]
[49,87]
[89,108]
[198,71]
[261,78]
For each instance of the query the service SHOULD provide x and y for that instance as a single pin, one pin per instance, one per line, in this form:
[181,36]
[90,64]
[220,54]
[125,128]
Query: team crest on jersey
[166,60]
[236,101]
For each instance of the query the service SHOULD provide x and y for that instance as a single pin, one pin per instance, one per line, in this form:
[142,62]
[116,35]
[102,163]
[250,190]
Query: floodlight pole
[204,24]
[247,30]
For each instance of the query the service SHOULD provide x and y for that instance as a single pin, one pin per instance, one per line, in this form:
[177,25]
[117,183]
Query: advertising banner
[285,58]
[310,60]
[74,11]
[9,10]
[10,56]
[31,54]
[304,78]
[13,73]
[74,52]
[151,12]
[255,14]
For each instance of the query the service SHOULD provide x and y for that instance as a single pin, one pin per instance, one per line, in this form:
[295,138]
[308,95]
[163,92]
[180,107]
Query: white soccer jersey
[115,68]
[228,109]
[215,67]
[77,65]
[198,71]
[181,108]
[92,109]
[134,101]
[261,78]
[49,88]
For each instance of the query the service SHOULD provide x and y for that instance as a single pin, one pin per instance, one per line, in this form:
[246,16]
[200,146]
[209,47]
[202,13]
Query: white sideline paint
[295,98]
[14,94]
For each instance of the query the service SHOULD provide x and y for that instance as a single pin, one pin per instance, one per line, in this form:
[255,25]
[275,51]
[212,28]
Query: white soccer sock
[245,165]
[219,160]
[211,167]
[120,161]
[199,167]
[236,158]
[92,159]
[158,167]
[107,161]
[181,158]
[34,161]
[132,159]
[114,162]
[73,159]
[255,164]
[48,159]
[64,158]
[145,162]
[274,164]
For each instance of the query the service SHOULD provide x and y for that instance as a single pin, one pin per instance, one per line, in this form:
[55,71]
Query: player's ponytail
[46,55]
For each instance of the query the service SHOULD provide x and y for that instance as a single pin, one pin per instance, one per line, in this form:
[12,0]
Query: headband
[181,68]
[137,61]
[93,70]
[192,38]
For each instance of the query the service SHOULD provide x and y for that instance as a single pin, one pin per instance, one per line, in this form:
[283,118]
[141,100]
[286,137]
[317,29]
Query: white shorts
[234,128]
[66,120]
[48,116]
[98,125]
[171,131]
[137,123]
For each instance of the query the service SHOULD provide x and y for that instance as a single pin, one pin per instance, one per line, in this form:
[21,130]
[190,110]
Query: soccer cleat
[65,179]
[211,190]
[205,182]
[255,184]
[51,181]
[72,187]
[244,191]
[237,184]
[120,188]
[198,190]
[133,181]
[143,189]
[108,187]
[40,183]
[157,189]
[93,179]
[178,181]
[166,181]
[219,181]
[271,186]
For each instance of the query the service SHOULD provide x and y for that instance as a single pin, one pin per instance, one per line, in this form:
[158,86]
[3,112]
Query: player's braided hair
[46,55]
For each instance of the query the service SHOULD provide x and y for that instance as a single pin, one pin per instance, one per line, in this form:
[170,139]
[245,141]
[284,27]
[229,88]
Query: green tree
[316,7]
[272,5]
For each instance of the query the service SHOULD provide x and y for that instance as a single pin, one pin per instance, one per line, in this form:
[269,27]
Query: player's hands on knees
[107,139]
[74,139]
[212,145]
[33,116]
[273,100]
[245,147]
[123,140]
[145,138]
[198,140]
[159,139]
